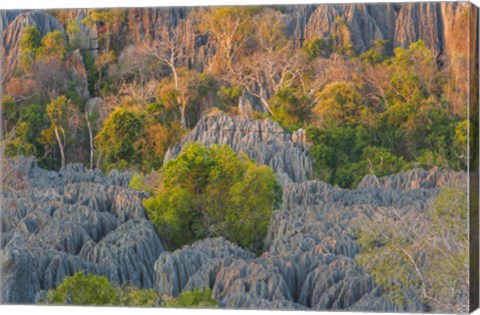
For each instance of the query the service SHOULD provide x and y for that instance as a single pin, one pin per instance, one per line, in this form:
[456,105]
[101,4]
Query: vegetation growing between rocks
[90,289]
[405,107]
[212,192]
[406,253]
[104,93]
[191,299]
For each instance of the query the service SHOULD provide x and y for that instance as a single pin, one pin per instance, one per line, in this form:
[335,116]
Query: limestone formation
[68,221]
[398,24]
[80,220]
[263,141]
[309,259]
[11,35]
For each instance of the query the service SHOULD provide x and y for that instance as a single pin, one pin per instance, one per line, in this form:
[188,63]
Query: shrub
[197,298]
[84,289]
[212,192]
[89,289]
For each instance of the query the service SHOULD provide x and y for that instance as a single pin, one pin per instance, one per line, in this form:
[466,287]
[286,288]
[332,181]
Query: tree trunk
[171,63]
[90,133]
[108,37]
[182,116]
[60,145]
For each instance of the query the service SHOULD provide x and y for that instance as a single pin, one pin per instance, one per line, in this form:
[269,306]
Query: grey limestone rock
[68,221]
[309,259]
[263,141]
[10,37]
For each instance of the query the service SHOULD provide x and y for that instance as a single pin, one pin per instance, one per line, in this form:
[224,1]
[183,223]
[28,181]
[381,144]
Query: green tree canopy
[212,192]
[194,299]
[53,48]
[59,112]
[91,289]
[84,289]
[341,104]
[116,140]
[29,43]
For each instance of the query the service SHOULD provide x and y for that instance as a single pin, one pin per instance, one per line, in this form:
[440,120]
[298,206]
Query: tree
[335,149]
[252,199]
[91,289]
[53,48]
[84,289]
[229,28]
[132,296]
[375,161]
[319,47]
[424,252]
[92,117]
[22,128]
[212,192]
[106,21]
[102,60]
[341,38]
[116,141]
[153,145]
[341,104]
[292,109]
[168,50]
[196,298]
[189,90]
[376,54]
[29,43]
[44,74]
[271,63]
[59,111]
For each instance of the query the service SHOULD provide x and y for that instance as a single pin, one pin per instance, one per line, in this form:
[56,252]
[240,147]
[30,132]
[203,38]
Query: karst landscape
[303,157]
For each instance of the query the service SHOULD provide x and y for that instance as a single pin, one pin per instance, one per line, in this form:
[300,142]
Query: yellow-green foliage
[84,289]
[132,296]
[212,192]
[116,140]
[192,299]
[431,259]
[90,289]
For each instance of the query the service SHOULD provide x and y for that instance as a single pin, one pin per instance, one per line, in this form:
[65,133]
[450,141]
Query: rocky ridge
[70,221]
[436,23]
[13,23]
[78,219]
[309,258]
[265,142]
[310,249]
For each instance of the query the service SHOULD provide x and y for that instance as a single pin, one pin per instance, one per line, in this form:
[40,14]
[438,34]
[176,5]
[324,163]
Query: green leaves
[116,140]
[54,47]
[212,192]
[29,43]
[59,110]
[423,252]
[84,289]
[341,104]
[197,299]
[90,289]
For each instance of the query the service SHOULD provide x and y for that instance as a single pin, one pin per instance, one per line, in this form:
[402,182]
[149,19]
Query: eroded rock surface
[14,23]
[263,141]
[69,221]
[309,259]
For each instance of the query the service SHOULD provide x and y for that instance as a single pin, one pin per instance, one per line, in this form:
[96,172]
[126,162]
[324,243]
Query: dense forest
[115,106]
